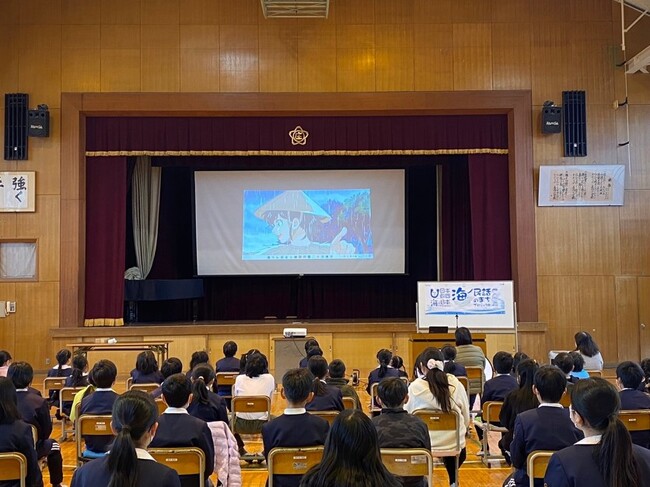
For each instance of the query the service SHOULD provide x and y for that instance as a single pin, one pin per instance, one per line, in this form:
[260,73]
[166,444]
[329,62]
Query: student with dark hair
[451,366]
[326,397]
[469,355]
[229,363]
[129,464]
[244,359]
[35,410]
[606,456]
[439,390]
[499,386]
[547,427]
[578,371]
[645,366]
[384,369]
[311,342]
[62,369]
[5,362]
[397,363]
[516,360]
[518,401]
[395,427]
[587,347]
[146,369]
[296,427]
[169,367]
[198,357]
[16,435]
[176,428]
[206,405]
[564,362]
[351,456]
[78,378]
[100,401]
[629,376]
[337,378]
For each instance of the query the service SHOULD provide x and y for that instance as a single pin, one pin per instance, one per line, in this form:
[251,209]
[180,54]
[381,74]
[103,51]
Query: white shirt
[589,440]
[294,411]
[551,405]
[262,385]
[171,410]
[143,454]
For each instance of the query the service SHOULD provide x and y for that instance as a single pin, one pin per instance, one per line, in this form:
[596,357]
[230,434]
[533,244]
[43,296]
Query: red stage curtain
[105,240]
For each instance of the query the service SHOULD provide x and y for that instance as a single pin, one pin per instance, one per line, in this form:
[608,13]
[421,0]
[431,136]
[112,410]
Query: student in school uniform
[578,371]
[169,367]
[397,363]
[5,362]
[310,343]
[336,378]
[547,427]
[198,357]
[35,410]
[384,369]
[62,369]
[451,366]
[229,363]
[16,435]
[146,369]
[628,377]
[326,397]
[564,362]
[100,401]
[77,378]
[176,428]
[606,456]
[296,427]
[396,428]
[134,425]
[206,405]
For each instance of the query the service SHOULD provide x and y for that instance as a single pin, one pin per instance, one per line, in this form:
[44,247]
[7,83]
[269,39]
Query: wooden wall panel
[472,57]
[120,11]
[598,241]
[347,347]
[82,72]
[644,316]
[76,12]
[160,12]
[597,308]
[44,225]
[39,74]
[239,70]
[557,241]
[433,57]
[635,233]
[627,319]
[639,147]
[45,157]
[120,70]
[316,69]
[199,70]
[160,70]
[355,70]
[8,328]
[511,56]
[559,300]
[184,347]
[198,12]
[244,344]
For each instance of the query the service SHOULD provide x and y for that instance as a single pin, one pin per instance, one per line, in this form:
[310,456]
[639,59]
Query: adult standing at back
[469,355]
[590,352]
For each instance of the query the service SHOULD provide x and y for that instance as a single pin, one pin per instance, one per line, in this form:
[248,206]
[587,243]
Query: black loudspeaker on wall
[38,122]
[16,105]
[551,119]
[575,123]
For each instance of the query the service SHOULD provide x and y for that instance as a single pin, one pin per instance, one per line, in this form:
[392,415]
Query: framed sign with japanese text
[584,185]
[478,305]
[17,191]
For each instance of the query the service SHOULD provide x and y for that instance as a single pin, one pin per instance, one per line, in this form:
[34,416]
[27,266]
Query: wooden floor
[472,473]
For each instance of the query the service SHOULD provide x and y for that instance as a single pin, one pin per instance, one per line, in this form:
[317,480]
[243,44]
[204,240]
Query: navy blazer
[575,466]
[17,437]
[35,410]
[214,410]
[99,402]
[543,428]
[634,399]
[95,474]
[331,400]
[497,388]
[293,430]
[456,369]
[178,430]
[226,364]
[153,378]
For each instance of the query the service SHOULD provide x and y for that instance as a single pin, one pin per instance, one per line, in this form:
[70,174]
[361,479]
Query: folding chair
[409,462]
[186,460]
[292,461]
[34,434]
[90,425]
[148,388]
[249,404]
[595,373]
[67,395]
[226,379]
[441,421]
[348,402]
[129,383]
[635,420]
[536,464]
[475,375]
[565,400]
[374,408]
[160,404]
[491,412]
[465,382]
[53,384]
[13,466]
[328,416]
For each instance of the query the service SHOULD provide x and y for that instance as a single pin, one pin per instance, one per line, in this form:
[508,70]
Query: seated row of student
[168,368]
[606,456]
[78,378]
[229,363]
[396,428]
[564,362]
[516,402]
[206,405]
[436,389]
[177,428]
[451,366]
[384,369]
[499,386]
[100,401]
[547,427]
[309,343]
[255,382]
[336,378]
[351,456]
[134,424]
[35,410]
[146,369]
[326,397]
[295,427]
[61,369]
[628,377]
[5,362]
[16,435]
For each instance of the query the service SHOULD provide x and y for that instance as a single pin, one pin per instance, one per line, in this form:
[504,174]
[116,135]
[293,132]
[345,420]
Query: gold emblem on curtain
[298,136]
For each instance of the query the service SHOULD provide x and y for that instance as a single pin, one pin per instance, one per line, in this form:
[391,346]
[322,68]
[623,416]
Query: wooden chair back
[637,420]
[160,404]
[90,425]
[249,404]
[465,382]
[328,416]
[536,465]
[53,384]
[491,411]
[595,373]
[129,383]
[441,421]
[374,407]
[148,388]
[34,434]
[13,466]
[186,461]
[292,461]
[409,462]
[490,414]
[348,402]
[565,400]
[67,394]
[226,379]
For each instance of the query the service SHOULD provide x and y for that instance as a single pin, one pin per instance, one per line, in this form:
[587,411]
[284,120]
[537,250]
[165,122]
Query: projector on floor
[294,332]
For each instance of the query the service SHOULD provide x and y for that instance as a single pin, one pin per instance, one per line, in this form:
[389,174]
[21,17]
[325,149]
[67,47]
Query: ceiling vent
[306,9]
